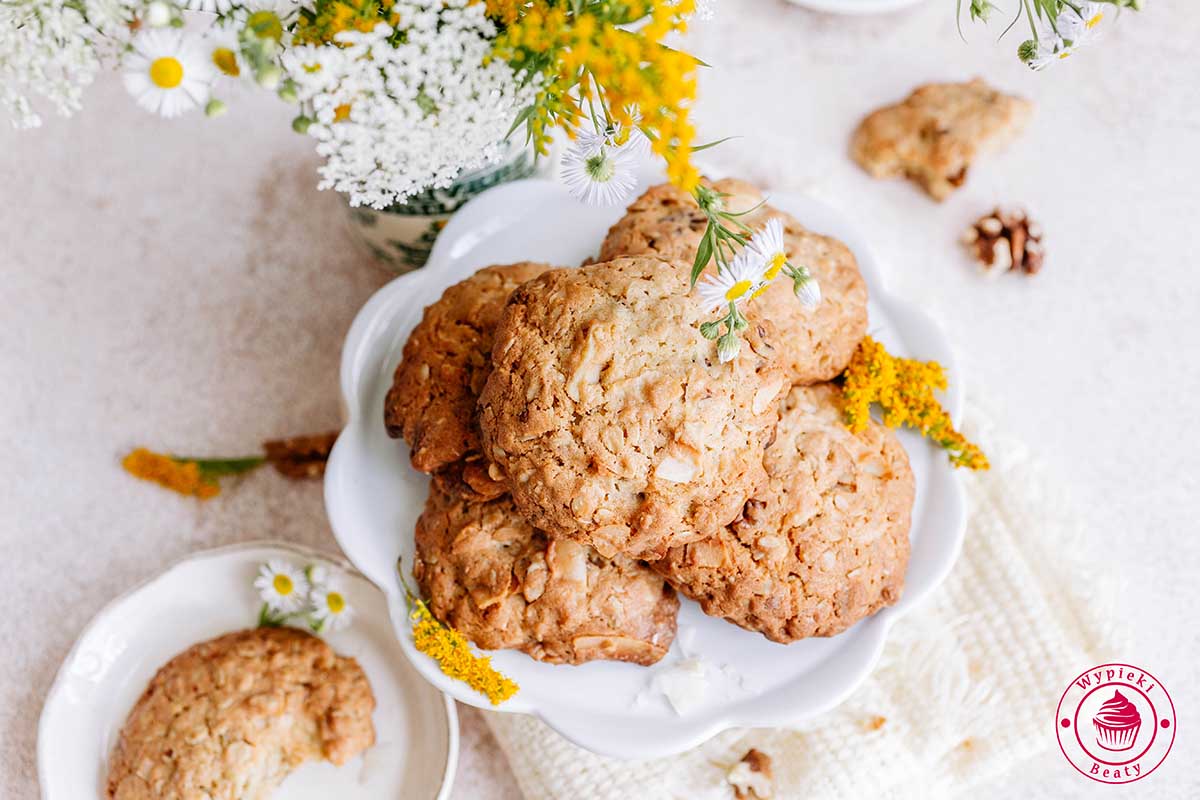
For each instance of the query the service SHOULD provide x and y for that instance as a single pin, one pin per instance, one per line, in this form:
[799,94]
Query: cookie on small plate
[824,545]
[491,576]
[933,135]
[446,361]
[612,418]
[229,718]
[814,344]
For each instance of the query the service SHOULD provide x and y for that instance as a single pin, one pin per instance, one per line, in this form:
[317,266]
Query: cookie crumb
[300,457]
[751,778]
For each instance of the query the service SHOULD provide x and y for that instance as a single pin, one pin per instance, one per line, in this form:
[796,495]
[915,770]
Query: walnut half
[1006,240]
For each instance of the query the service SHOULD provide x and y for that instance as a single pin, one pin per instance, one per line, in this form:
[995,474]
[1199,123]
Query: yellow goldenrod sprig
[587,61]
[189,476]
[452,652]
[904,390]
[297,458]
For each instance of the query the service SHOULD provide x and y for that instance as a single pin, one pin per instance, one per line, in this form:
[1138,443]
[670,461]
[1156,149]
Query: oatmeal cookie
[228,719]
[446,361]
[824,545]
[610,415]
[813,345]
[935,133]
[503,584]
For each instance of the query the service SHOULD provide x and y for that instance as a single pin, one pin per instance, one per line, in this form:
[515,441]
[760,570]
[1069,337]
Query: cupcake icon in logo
[1117,723]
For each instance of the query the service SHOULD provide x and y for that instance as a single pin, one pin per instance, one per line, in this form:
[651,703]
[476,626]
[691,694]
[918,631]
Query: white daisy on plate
[282,586]
[733,284]
[167,71]
[599,175]
[330,607]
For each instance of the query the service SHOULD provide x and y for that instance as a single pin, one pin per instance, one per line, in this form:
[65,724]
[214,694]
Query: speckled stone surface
[181,284]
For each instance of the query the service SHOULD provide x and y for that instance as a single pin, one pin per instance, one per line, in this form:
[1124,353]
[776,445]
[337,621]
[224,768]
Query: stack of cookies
[590,456]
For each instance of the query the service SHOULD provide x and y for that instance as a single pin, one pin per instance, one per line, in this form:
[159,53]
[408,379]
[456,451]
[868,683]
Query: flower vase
[401,236]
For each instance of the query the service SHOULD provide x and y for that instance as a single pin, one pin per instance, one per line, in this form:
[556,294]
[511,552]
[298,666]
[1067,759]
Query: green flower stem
[213,468]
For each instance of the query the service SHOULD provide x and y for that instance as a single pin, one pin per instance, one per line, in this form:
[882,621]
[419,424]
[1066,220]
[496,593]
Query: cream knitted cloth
[965,690]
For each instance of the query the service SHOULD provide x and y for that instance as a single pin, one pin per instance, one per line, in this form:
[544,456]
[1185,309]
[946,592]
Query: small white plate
[855,7]
[205,595]
[374,497]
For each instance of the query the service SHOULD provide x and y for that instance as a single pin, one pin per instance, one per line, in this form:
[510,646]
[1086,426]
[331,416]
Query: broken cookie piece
[933,136]
[229,718]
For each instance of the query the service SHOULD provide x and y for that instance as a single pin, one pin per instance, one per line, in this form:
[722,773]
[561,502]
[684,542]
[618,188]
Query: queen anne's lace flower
[392,120]
[44,51]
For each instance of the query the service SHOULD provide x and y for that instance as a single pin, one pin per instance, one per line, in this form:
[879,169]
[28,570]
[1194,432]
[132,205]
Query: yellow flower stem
[452,652]
[196,477]
[904,391]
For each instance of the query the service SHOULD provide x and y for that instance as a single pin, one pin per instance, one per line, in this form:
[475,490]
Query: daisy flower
[1042,54]
[221,48]
[734,284]
[806,288]
[768,247]
[210,6]
[167,72]
[1080,28]
[331,608]
[282,586]
[599,175]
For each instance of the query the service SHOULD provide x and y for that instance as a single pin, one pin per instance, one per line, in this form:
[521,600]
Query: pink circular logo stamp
[1115,723]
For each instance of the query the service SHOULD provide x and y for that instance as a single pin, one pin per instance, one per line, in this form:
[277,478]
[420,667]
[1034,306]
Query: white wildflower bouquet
[402,96]
[1059,27]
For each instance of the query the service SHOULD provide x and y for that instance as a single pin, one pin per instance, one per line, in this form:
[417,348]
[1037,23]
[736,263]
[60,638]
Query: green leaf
[700,147]
[267,619]
[218,467]
[751,210]
[522,117]
[703,254]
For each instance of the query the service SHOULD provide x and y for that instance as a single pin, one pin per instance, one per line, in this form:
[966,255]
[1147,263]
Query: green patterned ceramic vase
[401,236]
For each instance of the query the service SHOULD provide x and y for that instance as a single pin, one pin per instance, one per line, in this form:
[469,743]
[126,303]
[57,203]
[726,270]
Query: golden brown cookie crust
[502,584]
[228,719]
[446,361]
[814,345]
[934,135]
[610,415]
[824,545]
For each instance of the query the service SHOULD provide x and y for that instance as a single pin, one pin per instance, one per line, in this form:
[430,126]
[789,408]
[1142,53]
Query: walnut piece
[1006,240]
[751,778]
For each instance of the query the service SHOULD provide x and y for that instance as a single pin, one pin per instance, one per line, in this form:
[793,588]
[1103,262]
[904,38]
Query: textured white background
[181,285]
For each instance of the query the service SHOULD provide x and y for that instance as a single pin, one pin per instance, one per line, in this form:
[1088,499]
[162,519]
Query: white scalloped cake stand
[374,497]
